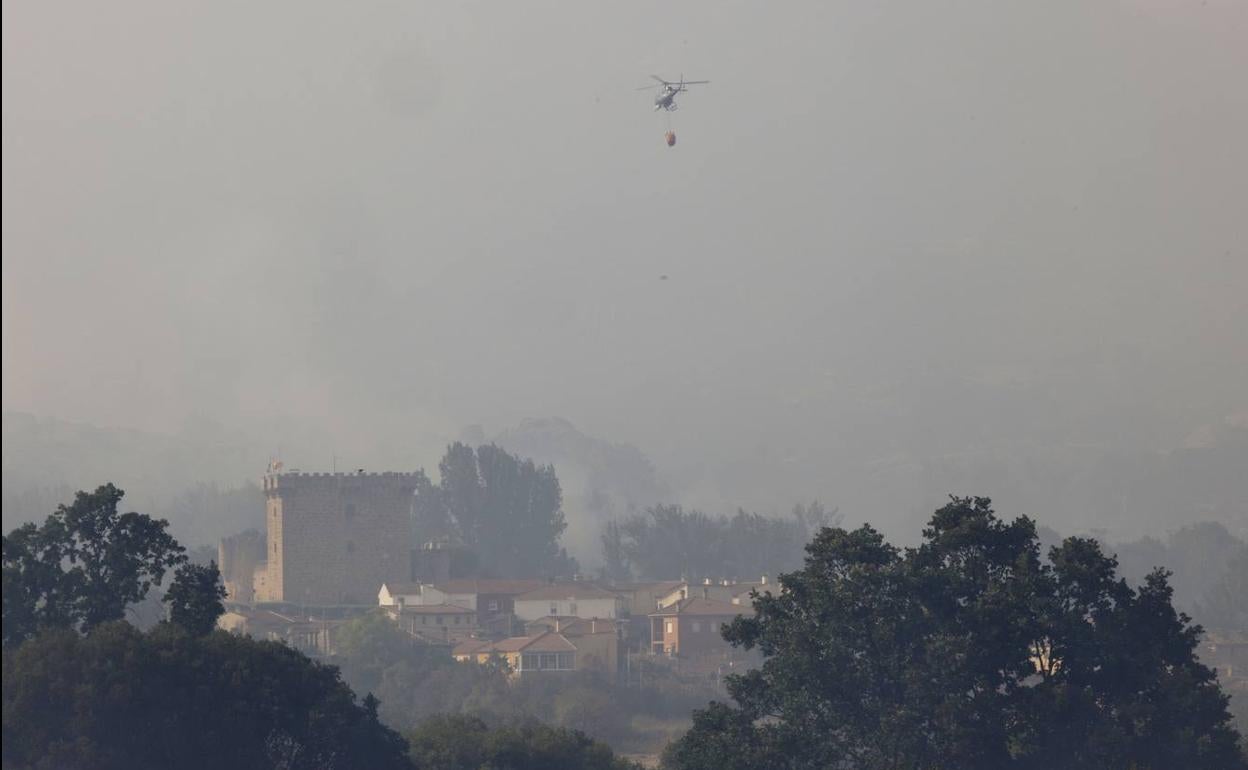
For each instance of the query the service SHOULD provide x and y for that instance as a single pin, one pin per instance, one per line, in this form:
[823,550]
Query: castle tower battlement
[334,538]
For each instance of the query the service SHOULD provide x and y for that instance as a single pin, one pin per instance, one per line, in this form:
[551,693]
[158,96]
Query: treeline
[667,542]
[1210,566]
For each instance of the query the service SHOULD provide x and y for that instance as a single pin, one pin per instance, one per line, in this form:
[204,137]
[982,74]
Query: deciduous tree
[83,566]
[967,651]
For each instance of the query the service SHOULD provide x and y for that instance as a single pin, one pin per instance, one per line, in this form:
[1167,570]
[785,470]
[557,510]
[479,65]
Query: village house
[312,636]
[492,600]
[691,627]
[730,591]
[435,622]
[597,641]
[399,594]
[641,599]
[545,653]
[579,600]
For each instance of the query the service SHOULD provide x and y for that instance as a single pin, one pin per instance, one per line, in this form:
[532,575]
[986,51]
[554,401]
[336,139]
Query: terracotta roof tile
[699,606]
[436,609]
[488,586]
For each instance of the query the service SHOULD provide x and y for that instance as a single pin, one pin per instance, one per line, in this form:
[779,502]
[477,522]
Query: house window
[350,547]
[668,627]
[348,511]
[457,620]
[424,620]
[441,620]
[697,627]
[548,661]
[572,608]
[494,606]
[554,608]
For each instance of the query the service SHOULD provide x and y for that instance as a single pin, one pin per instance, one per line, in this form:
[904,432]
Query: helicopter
[666,98]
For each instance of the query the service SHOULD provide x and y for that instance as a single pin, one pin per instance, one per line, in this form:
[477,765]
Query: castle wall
[335,538]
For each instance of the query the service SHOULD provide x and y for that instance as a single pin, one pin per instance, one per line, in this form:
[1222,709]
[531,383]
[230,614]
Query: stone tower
[334,538]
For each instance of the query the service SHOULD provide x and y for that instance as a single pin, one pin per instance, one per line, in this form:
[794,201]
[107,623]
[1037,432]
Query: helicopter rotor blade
[661,80]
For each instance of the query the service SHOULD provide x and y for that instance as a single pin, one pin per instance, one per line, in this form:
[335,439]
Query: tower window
[350,547]
[349,511]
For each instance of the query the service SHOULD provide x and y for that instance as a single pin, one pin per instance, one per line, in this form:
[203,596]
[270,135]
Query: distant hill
[46,459]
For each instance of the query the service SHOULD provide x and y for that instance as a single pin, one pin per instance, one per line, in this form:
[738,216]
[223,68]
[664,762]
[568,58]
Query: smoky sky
[891,231]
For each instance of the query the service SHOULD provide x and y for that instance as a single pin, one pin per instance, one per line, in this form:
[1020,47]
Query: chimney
[557,624]
[593,626]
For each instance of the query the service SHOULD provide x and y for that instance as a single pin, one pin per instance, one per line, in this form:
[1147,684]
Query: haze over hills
[893,272]
[1125,491]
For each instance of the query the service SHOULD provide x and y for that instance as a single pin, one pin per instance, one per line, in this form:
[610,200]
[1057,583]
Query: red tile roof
[469,646]
[436,609]
[661,586]
[548,641]
[699,606]
[488,586]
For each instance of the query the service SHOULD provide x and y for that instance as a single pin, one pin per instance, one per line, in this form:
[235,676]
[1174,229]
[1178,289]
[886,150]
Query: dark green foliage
[508,511]
[83,566]
[965,652]
[195,598]
[118,698]
[460,742]
[370,645]
[727,739]
[667,538]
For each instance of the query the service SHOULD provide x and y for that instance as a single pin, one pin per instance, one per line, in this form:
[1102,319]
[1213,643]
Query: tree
[457,742]
[507,510]
[967,651]
[195,598]
[83,566]
[367,646]
[119,698]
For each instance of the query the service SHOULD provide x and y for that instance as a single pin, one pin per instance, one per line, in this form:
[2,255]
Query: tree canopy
[458,742]
[195,598]
[119,698]
[746,545]
[83,566]
[968,651]
[507,510]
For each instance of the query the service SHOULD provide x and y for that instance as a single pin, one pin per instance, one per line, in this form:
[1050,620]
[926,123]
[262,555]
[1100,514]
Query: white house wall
[532,609]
